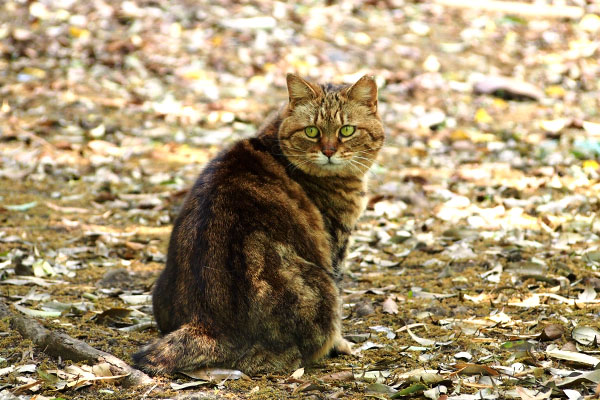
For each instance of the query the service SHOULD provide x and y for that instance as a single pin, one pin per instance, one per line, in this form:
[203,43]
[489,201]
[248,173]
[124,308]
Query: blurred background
[489,178]
[206,72]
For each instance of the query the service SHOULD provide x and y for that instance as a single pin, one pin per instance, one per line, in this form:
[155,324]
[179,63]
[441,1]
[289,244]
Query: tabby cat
[253,265]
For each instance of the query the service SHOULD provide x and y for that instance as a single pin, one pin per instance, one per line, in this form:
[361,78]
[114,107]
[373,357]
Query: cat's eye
[347,130]
[311,131]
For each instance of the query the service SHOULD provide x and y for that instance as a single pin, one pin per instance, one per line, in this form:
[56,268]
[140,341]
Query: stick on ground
[58,344]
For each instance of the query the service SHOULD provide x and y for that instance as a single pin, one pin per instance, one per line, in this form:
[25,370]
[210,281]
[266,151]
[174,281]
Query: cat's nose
[328,151]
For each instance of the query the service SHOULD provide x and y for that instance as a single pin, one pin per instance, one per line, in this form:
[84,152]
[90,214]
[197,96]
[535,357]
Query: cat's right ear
[301,90]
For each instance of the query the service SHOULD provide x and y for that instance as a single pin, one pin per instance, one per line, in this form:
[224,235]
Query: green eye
[347,130]
[311,131]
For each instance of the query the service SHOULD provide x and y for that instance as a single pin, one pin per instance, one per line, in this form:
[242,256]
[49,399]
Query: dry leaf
[298,373]
[216,374]
[390,306]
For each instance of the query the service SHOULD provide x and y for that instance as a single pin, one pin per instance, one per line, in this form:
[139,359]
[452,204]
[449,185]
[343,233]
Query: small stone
[116,278]
[570,346]
[590,23]
[363,309]
[431,64]
[419,28]
[552,332]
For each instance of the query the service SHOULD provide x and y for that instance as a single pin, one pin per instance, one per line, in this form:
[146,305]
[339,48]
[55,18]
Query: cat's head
[330,130]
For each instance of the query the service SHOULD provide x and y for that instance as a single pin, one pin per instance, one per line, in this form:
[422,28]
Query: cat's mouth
[329,161]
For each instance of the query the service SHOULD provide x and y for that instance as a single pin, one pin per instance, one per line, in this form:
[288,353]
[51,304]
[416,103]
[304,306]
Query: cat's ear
[364,91]
[301,90]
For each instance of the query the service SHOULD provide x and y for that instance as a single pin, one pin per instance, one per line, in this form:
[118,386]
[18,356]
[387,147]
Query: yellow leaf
[500,103]
[78,32]
[482,117]
[175,30]
[480,137]
[318,33]
[362,38]
[217,40]
[591,165]
[555,91]
[38,73]
[268,67]
[257,81]
[459,134]
[194,74]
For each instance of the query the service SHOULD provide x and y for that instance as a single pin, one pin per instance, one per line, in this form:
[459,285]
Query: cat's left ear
[301,90]
[364,91]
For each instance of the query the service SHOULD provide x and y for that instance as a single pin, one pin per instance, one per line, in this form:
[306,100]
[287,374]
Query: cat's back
[243,193]
[248,181]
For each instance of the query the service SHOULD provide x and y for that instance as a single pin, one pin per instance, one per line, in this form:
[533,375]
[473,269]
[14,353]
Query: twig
[518,8]
[148,391]
[64,346]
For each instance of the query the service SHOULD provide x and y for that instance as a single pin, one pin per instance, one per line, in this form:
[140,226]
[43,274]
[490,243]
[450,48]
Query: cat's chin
[340,168]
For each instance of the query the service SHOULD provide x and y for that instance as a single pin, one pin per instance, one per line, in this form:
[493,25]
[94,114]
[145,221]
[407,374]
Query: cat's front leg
[342,346]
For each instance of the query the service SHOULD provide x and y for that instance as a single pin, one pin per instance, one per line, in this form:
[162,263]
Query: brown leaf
[342,376]
[508,87]
[112,314]
[135,245]
[307,387]
[475,369]
[569,346]
[552,332]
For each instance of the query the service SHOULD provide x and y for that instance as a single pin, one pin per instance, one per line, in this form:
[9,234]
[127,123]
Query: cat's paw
[342,346]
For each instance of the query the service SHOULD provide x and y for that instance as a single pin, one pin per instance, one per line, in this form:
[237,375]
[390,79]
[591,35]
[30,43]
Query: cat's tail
[187,348]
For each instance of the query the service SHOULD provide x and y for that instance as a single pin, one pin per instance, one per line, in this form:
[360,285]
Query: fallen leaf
[38,313]
[343,376]
[573,356]
[552,332]
[377,387]
[213,374]
[298,373]
[180,386]
[475,369]
[390,306]
[409,391]
[586,335]
[21,207]
[507,88]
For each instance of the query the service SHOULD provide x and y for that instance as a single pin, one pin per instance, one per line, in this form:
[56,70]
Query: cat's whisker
[367,152]
[360,163]
[362,158]
[355,167]
[367,169]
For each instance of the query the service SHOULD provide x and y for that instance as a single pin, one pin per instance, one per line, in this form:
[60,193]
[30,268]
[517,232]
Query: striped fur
[253,265]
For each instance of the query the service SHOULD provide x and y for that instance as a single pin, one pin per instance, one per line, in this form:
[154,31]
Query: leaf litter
[474,271]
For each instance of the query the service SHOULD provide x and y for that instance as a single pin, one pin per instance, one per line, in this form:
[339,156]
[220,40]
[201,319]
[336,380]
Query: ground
[473,272]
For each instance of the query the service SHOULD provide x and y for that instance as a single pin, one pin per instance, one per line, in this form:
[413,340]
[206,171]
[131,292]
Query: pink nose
[328,151]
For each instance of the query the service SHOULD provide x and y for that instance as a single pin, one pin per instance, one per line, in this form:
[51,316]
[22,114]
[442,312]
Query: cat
[253,266]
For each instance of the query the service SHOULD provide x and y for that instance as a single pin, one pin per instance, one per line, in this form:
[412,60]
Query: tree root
[61,345]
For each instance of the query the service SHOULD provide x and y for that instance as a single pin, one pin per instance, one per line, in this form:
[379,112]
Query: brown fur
[253,266]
